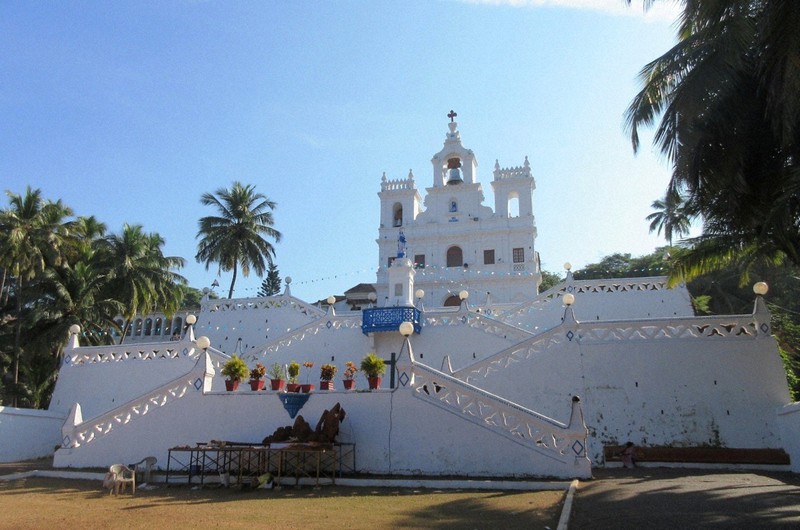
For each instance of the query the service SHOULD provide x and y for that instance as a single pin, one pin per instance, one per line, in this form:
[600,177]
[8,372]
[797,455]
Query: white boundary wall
[789,421]
[26,434]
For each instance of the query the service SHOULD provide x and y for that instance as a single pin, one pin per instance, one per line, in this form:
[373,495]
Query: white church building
[492,378]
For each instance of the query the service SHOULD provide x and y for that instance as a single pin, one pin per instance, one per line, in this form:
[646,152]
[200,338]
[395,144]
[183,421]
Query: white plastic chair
[122,476]
[143,467]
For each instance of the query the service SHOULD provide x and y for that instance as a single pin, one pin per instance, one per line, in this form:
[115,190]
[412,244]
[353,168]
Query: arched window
[453,206]
[148,327]
[452,301]
[397,214]
[513,204]
[138,331]
[157,331]
[455,258]
[177,326]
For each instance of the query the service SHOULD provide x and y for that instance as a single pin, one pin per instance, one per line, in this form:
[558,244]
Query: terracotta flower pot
[326,385]
[231,386]
[374,382]
[293,387]
[306,388]
[257,384]
[349,384]
[276,384]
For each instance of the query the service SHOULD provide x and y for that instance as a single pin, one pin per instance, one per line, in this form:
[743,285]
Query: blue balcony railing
[389,319]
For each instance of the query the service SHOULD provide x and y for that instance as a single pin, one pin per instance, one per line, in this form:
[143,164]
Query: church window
[391,260]
[419,261]
[178,325]
[148,327]
[397,217]
[488,257]
[519,255]
[455,258]
[157,331]
[398,289]
[453,206]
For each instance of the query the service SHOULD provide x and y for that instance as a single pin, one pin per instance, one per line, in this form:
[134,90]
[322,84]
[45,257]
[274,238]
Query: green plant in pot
[294,373]
[373,367]
[235,369]
[326,374]
[277,376]
[256,377]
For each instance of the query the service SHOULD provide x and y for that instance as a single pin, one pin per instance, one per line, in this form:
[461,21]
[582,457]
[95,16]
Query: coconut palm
[727,97]
[32,235]
[236,237]
[669,216]
[139,275]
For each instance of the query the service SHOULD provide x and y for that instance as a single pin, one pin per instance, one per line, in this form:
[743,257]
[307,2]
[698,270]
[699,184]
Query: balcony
[389,319]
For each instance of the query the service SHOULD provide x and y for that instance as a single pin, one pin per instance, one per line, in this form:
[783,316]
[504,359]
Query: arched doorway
[452,301]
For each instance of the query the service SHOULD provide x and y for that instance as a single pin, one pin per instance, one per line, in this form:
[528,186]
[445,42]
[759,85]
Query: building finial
[452,115]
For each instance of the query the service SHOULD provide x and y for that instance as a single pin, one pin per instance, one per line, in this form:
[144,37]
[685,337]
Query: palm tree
[727,98]
[669,216]
[139,275]
[33,234]
[236,236]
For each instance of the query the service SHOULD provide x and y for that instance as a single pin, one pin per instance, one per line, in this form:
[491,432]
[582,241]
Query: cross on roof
[452,115]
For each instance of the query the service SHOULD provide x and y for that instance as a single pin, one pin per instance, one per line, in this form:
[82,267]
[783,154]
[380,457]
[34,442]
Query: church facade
[456,242]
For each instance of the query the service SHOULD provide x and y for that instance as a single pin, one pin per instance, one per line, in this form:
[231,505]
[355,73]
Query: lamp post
[331,300]
[419,294]
[190,321]
[463,295]
[406,330]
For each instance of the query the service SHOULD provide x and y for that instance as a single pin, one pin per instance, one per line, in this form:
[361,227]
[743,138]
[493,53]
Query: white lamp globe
[463,295]
[288,280]
[74,329]
[569,299]
[191,319]
[406,329]
[568,265]
[331,300]
[761,288]
[420,293]
[203,342]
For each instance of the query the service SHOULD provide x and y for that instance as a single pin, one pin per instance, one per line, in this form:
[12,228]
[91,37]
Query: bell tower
[453,165]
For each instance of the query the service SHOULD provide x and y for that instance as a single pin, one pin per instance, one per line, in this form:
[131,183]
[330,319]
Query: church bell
[454,173]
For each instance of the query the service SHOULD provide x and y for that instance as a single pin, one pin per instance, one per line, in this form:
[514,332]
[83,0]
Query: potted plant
[306,387]
[326,374]
[350,371]
[235,369]
[373,367]
[277,376]
[256,374]
[294,373]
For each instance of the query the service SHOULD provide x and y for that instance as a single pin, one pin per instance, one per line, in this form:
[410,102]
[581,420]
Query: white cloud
[664,10]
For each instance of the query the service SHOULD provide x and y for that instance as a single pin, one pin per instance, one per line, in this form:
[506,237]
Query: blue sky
[129,111]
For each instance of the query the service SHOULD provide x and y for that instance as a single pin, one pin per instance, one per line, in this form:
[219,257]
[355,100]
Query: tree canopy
[727,101]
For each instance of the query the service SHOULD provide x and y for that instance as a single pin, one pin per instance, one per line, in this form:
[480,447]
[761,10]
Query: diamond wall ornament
[577,447]
[403,379]
[198,384]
